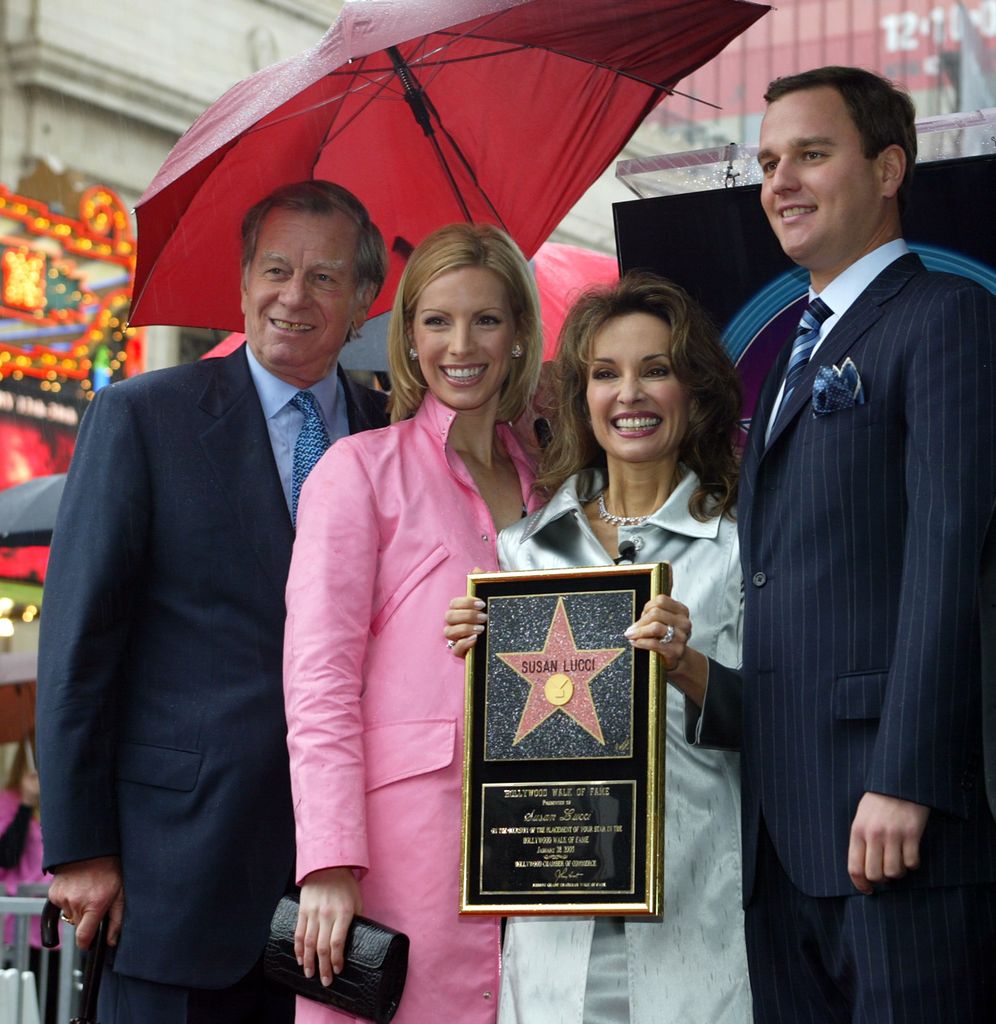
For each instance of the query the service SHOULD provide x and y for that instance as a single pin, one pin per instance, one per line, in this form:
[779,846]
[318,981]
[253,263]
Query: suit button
[759,579]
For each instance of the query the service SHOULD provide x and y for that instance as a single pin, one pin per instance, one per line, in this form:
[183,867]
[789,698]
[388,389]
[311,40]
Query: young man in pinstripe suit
[868,479]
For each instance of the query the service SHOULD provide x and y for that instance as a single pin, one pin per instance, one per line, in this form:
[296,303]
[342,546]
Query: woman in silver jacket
[643,454]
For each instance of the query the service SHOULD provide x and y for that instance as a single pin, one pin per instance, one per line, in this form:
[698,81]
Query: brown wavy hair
[699,362]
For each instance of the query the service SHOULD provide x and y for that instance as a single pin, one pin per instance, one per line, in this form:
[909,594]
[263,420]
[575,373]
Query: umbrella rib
[428,62]
[380,85]
[467,166]
[478,34]
[618,72]
[422,107]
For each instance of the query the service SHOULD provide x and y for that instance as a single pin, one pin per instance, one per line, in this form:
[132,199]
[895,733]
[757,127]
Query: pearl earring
[412,354]
[516,350]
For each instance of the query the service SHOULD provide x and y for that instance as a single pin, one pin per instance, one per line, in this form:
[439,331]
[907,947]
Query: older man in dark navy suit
[867,483]
[166,793]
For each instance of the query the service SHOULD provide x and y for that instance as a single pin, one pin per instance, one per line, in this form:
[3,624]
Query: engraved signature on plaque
[550,837]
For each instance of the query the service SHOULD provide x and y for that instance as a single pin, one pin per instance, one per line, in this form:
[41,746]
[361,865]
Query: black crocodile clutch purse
[372,979]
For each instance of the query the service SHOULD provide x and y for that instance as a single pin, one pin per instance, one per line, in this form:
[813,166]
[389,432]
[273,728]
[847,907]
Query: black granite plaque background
[520,624]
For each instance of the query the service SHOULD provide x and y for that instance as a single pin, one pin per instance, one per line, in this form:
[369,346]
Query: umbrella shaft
[414,97]
[413,91]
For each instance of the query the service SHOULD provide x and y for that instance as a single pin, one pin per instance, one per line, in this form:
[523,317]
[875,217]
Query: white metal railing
[23,997]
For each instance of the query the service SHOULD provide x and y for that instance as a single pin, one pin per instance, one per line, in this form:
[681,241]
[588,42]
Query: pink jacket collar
[436,419]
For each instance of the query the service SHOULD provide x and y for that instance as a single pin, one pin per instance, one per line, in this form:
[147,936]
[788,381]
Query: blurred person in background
[20,841]
[21,857]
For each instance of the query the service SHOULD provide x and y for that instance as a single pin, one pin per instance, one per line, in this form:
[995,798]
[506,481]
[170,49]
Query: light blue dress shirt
[283,421]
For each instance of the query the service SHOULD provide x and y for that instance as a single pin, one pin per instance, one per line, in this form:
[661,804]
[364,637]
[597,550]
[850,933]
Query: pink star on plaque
[560,678]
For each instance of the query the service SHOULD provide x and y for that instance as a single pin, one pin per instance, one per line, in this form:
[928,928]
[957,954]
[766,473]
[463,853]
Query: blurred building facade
[943,53]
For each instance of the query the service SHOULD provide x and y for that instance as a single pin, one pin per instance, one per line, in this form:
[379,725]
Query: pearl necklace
[604,513]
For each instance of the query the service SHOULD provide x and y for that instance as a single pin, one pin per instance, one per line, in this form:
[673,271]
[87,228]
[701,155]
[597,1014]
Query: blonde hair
[452,248]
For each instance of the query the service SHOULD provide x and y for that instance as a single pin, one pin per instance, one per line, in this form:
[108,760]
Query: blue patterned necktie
[312,443]
[807,334]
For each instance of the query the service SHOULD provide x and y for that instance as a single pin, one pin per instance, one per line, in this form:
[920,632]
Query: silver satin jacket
[691,966]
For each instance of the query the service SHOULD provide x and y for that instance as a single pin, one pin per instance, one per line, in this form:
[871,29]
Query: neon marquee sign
[65,289]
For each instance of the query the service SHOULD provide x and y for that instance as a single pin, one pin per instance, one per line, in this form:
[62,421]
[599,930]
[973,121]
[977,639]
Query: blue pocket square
[836,388]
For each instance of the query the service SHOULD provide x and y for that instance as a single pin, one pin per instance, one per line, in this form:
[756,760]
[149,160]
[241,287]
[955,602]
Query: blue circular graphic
[756,333]
[789,287]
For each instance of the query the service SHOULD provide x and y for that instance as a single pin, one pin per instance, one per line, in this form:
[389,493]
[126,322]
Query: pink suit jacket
[390,523]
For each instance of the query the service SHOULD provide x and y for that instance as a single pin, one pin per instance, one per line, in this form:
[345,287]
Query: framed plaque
[563,795]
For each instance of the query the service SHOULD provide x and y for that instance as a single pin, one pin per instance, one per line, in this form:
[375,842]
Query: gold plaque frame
[563,791]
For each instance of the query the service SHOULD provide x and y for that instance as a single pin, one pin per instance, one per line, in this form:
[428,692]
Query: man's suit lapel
[755,447]
[859,318]
[237,446]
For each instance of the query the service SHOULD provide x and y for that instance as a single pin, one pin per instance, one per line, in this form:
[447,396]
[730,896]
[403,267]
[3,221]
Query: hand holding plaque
[563,766]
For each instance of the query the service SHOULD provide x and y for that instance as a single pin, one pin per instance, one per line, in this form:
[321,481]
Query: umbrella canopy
[562,272]
[28,510]
[431,111]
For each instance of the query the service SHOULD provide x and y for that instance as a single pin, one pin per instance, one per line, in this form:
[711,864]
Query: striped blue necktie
[806,336]
[312,443]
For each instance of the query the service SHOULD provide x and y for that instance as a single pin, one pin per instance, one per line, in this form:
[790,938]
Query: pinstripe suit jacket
[987,611]
[861,533]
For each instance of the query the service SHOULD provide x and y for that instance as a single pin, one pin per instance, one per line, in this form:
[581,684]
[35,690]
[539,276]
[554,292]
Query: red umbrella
[431,111]
[562,273]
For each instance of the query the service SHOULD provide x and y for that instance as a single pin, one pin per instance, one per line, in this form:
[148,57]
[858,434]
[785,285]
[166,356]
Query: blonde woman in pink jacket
[390,523]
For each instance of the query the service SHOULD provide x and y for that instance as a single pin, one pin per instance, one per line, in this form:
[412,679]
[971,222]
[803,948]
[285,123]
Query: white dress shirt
[842,292]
